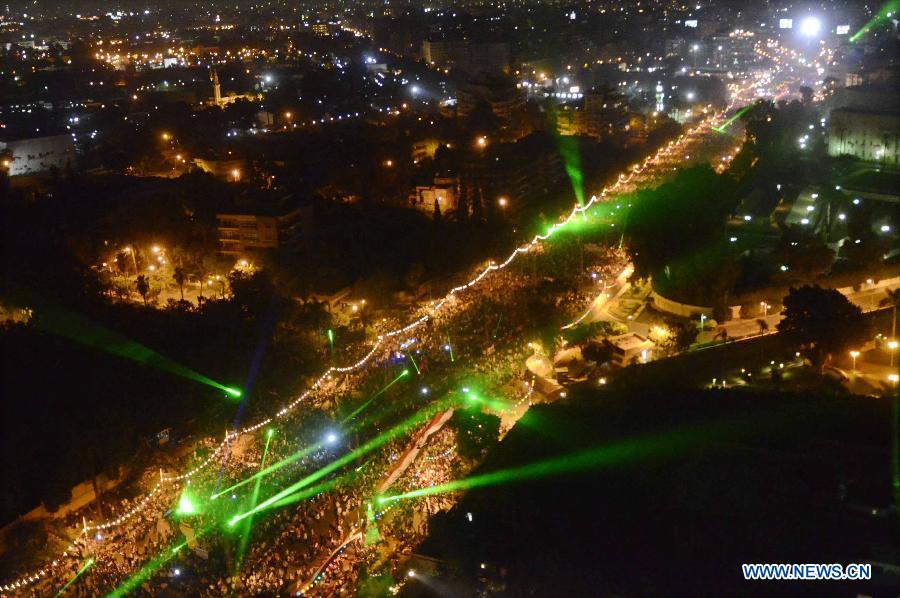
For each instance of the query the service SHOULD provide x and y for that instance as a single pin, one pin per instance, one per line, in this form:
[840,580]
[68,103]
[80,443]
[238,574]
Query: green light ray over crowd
[271,468]
[359,409]
[313,490]
[305,452]
[395,432]
[245,536]
[721,128]
[151,567]
[87,565]
[492,404]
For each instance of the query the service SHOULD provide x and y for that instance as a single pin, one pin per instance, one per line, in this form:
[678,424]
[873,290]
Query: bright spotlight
[331,438]
[810,26]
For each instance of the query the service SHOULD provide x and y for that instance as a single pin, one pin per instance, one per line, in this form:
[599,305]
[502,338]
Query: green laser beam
[721,128]
[313,491]
[63,322]
[186,505]
[304,452]
[245,536]
[571,156]
[888,8]
[492,404]
[151,567]
[87,565]
[594,458]
[375,396]
[271,468]
[383,438]
[497,327]
[415,365]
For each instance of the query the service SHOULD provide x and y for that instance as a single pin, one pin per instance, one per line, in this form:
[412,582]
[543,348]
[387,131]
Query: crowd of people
[484,329]
[474,330]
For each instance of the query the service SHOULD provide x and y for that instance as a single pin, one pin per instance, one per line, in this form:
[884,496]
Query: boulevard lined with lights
[635,174]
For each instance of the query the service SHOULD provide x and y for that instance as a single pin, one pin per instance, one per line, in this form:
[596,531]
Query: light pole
[130,251]
[854,355]
[895,443]
[765,307]
[892,347]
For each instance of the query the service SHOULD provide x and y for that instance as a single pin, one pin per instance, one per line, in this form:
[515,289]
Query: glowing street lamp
[892,347]
[854,355]
[765,307]
[502,202]
[810,26]
[481,141]
[236,175]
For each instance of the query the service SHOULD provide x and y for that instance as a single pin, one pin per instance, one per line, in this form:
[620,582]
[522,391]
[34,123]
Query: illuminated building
[254,228]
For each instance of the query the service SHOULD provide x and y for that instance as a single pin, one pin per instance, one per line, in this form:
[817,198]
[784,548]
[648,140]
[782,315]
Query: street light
[236,175]
[892,347]
[765,307]
[481,141]
[854,355]
[503,202]
[810,26]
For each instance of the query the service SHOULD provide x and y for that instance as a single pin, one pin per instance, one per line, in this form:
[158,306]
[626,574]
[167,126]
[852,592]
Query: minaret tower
[217,89]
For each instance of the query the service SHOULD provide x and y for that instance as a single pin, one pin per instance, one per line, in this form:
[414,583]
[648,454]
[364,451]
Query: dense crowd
[485,329]
[476,330]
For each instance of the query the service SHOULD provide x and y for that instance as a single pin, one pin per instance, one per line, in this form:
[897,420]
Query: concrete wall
[39,154]
[679,309]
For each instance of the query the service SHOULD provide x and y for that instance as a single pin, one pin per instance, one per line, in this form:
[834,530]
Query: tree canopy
[822,322]
[681,218]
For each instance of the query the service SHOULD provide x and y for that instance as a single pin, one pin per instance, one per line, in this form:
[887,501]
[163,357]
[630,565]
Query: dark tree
[681,336]
[597,352]
[822,322]
[143,287]
[180,277]
[804,254]
[677,220]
